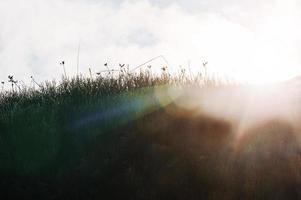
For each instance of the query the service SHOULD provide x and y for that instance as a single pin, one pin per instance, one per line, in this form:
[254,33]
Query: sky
[256,41]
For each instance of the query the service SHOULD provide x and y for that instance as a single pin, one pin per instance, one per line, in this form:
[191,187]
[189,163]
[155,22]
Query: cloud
[35,36]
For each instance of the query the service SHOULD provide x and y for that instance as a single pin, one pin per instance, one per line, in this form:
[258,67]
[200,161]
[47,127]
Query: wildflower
[164,68]
[34,81]
[13,82]
[63,64]
[11,79]
[106,65]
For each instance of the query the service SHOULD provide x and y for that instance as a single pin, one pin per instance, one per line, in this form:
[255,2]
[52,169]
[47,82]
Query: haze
[254,41]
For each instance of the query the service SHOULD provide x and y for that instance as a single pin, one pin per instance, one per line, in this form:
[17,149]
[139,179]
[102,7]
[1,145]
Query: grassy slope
[114,138]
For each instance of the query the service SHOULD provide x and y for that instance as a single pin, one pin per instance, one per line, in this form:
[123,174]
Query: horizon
[256,42]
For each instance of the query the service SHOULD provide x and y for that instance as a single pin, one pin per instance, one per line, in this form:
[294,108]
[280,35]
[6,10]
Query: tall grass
[112,137]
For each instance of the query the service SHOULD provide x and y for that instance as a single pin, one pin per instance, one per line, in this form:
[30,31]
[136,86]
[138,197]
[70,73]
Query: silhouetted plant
[63,64]
[2,86]
[34,81]
[13,82]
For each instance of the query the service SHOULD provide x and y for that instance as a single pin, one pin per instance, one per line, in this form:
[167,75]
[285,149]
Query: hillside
[144,137]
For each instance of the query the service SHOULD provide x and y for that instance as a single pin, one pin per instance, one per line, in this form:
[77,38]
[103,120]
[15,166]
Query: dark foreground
[63,145]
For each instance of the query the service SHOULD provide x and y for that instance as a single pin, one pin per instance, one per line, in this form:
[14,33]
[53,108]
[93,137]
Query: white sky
[254,40]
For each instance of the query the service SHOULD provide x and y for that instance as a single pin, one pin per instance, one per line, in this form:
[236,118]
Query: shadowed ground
[135,145]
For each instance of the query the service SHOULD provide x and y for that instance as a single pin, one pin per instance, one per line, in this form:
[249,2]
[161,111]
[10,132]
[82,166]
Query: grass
[123,137]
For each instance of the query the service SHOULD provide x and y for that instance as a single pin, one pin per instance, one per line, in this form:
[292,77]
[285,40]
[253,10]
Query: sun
[265,52]
[254,61]
[263,74]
